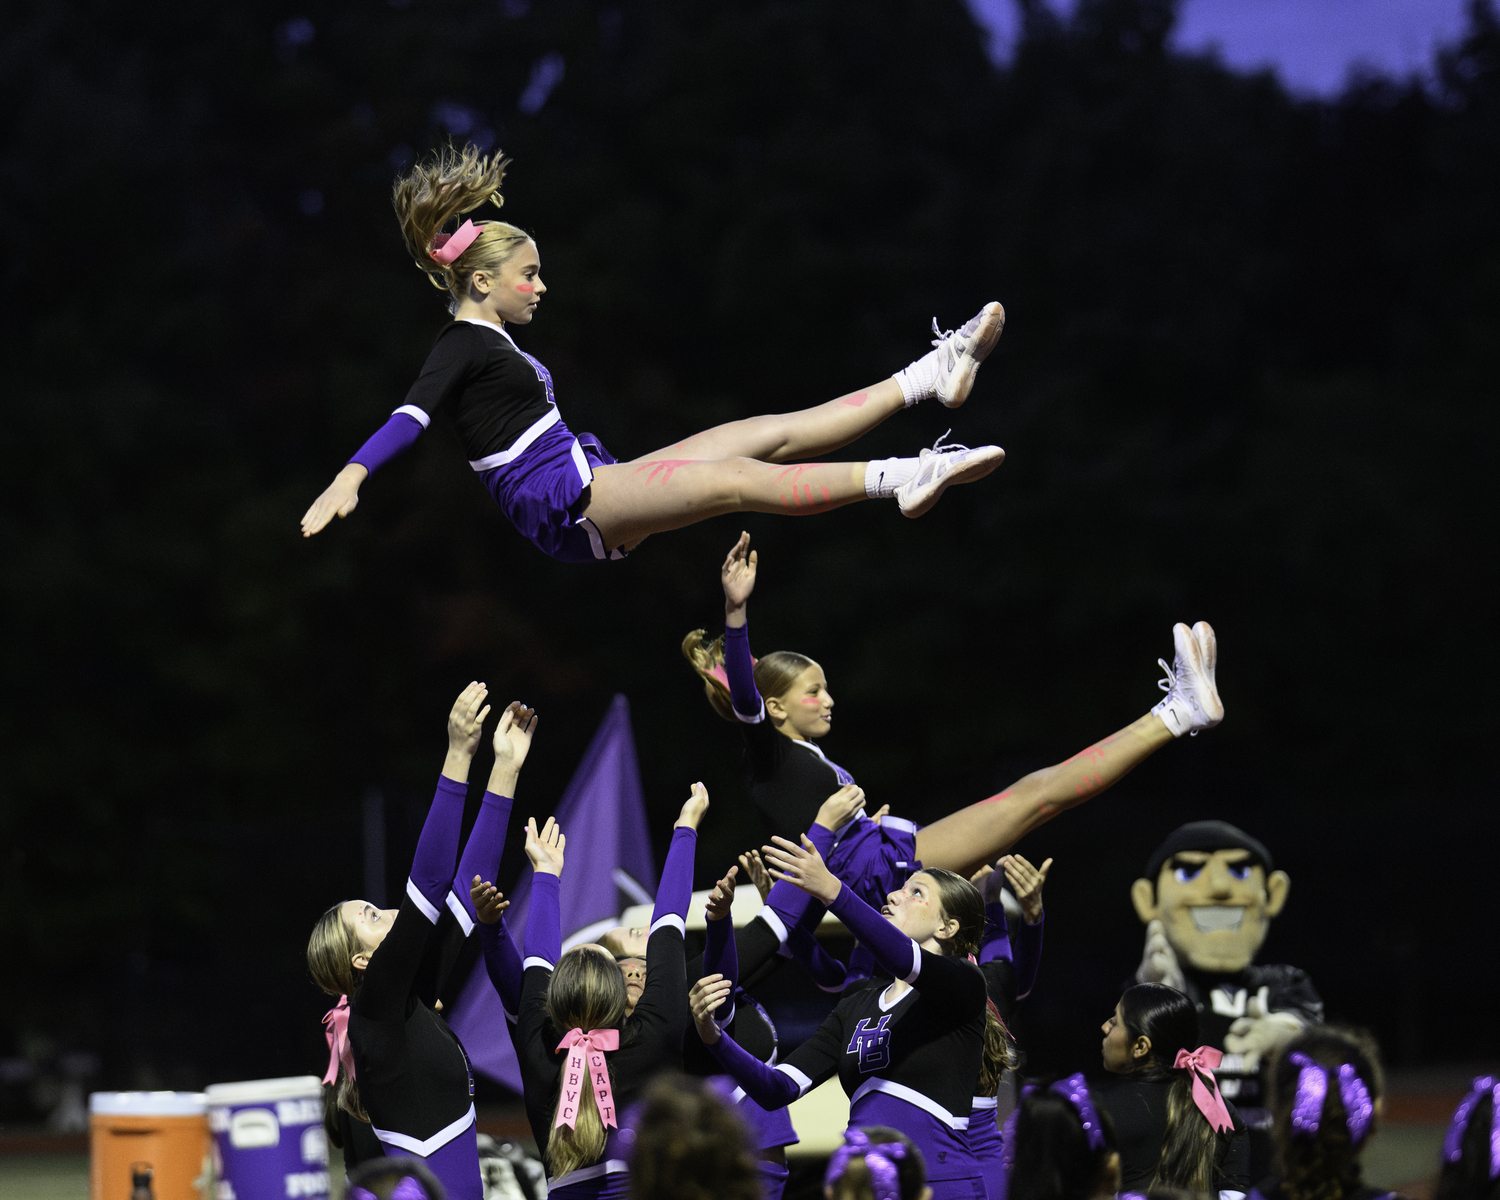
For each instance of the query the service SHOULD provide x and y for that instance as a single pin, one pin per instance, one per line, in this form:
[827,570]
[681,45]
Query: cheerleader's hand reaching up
[755,870]
[843,806]
[738,577]
[693,810]
[489,903]
[803,867]
[708,995]
[721,899]
[339,499]
[545,849]
[1026,882]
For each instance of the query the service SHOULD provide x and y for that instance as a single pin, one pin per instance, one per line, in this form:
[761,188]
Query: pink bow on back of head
[585,1067]
[447,248]
[336,1031]
[1206,1096]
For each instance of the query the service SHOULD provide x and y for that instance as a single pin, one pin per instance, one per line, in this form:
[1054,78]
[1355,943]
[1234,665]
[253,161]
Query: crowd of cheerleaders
[912,1040]
[918,1037]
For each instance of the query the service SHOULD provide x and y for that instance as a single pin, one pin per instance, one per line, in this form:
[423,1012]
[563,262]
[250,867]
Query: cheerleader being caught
[567,494]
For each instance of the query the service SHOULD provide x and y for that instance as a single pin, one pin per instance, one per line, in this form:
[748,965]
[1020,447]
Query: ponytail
[774,674]
[586,993]
[435,191]
[1319,1137]
[331,948]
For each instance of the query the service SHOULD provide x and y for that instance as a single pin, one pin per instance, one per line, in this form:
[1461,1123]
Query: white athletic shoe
[940,468]
[960,352]
[1192,702]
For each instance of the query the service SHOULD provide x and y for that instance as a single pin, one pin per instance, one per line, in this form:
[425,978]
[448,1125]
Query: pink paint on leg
[663,467]
[827,496]
[857,400]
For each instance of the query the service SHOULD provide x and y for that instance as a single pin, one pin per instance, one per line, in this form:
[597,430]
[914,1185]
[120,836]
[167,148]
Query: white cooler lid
[147,1104]
[257,1091]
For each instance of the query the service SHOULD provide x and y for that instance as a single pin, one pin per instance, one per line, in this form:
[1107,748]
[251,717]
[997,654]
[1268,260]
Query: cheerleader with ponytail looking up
[583,1057]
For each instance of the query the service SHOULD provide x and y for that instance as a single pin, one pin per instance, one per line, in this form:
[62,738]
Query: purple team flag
[609,866]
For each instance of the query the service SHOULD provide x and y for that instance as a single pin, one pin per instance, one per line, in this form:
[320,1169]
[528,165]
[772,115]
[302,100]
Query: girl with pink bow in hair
[584,1059]
[569,495]
[1172,1127]
[402,1079]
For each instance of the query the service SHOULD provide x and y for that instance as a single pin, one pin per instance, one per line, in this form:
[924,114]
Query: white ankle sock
[918,380]
[884,475]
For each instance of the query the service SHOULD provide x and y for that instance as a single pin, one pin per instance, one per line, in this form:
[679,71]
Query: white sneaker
[960,353]
[940,468]
[1192,702]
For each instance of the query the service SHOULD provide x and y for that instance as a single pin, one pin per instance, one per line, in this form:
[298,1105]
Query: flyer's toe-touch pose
[783,705]
[907,1054]
[567,494]
[406,1073]
[577,1086]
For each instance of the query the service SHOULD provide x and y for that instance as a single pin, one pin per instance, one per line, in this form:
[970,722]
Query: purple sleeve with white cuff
[826,971]
[893,950]
[739,667]
[503,962]
[675,892]
[544,922]
[996,943]
[721,957]
[398,433]
[437,848]
[765,1085]
[1026,945]
[481,856]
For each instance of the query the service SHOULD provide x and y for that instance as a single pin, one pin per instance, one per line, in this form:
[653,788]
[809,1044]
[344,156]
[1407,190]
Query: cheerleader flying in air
[783,706]
[567,494]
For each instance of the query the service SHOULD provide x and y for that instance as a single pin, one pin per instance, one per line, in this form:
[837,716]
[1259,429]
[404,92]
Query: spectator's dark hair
[1054,1160]
[1468,1176]
[691,1145]
[1323,1164]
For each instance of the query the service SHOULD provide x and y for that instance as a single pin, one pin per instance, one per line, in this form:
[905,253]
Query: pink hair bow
[336,1030]
[447,247]
[722,675]
[1201,1062]
[594,1073]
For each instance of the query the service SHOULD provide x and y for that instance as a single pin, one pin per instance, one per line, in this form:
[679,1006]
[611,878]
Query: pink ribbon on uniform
[578,1074]
[1201,1062]
[336,1030]
[448,247]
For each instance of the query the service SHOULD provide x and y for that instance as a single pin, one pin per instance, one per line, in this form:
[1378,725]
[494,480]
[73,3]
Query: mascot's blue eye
[1240,870]
[1186,874]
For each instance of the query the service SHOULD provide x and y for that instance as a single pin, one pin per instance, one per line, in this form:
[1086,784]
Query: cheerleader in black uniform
[783,706]
[567,494]
[408,1075]
[907,1054]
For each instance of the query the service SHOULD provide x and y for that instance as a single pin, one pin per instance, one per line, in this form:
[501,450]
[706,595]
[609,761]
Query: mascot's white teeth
[1217,917]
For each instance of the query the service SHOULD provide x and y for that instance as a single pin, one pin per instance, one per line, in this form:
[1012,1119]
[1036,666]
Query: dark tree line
[1248,376]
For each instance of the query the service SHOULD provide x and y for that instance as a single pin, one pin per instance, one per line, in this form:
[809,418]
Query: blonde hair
[774,674]
[586,992]
[330,958]
[446,185]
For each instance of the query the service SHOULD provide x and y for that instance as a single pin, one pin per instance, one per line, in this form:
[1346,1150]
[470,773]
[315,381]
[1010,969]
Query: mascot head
[1213,888]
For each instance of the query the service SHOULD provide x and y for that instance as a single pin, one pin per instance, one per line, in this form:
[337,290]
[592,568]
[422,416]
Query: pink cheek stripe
[525,287]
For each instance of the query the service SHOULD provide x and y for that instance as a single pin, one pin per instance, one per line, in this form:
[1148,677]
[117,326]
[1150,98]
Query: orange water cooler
[167,1130]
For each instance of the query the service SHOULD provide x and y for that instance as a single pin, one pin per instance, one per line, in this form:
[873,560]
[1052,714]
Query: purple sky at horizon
[1312,44]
